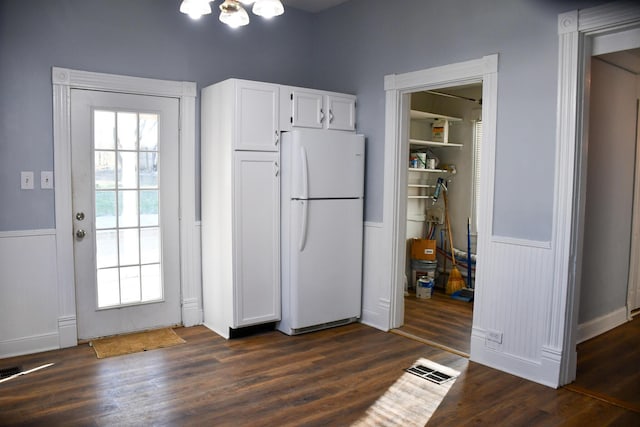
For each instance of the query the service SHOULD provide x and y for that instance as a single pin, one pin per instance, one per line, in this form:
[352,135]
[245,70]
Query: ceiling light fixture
[231,11]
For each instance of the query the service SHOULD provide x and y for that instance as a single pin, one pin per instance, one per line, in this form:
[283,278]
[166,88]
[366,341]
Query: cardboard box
[423,249]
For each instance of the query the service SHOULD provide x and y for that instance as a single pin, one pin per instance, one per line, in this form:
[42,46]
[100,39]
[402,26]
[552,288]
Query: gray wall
[348,48]
[609,201]
[146,38]
[361,41]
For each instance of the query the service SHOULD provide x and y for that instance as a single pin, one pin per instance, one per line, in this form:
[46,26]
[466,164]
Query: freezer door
[326,164]
[325,281]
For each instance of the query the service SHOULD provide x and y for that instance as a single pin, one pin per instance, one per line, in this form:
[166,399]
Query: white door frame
[398,87]
[576,30]
[63,81]
[633,286]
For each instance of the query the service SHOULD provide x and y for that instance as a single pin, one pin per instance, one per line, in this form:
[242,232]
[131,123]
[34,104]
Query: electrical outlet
[26,180]
[494,336]
[46,180]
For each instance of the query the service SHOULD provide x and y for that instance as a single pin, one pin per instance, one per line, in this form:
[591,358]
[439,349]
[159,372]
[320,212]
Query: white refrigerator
[322,187]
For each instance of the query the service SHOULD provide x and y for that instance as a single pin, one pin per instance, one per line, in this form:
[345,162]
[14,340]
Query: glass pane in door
[127,206]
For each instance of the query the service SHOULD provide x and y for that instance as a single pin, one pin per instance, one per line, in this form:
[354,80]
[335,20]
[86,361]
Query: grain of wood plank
[324,378]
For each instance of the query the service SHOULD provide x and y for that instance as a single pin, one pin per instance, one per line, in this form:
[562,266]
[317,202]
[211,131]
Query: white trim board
[602,324]
[27,233]
[63,81]
[398,88]
[576,32]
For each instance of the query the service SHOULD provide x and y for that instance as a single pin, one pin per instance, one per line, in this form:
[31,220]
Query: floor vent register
[429,374]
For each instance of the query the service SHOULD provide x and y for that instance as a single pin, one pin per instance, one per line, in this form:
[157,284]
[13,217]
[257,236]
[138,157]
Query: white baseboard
[191,312]
[29,345]
[545,372]
[375,301]
[67,331]
[375,319]
[602,324]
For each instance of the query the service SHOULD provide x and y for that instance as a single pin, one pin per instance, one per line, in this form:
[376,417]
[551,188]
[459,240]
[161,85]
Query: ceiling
[312,5]
[627,59]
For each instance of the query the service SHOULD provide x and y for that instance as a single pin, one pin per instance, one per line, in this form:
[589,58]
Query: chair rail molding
[63,81]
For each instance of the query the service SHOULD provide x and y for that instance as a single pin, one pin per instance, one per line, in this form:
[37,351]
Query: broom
[455,281]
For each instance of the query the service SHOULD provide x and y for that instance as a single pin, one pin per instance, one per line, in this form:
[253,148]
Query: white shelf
[419,197]
[422,115]
[428,170]
[421,186]
[423,143]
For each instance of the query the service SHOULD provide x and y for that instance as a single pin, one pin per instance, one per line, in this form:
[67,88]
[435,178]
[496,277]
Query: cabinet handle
[321,115]
[277,138]
[276,168]
[330,116]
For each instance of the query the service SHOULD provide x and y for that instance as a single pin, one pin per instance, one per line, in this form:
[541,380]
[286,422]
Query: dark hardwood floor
[327,378]
[439,319]
[609,366]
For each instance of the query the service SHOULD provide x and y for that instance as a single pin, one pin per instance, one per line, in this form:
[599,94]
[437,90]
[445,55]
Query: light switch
[46,180]
[26,180]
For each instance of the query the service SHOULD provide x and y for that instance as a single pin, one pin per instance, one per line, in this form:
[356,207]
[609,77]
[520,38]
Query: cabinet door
[306,109]
[256,116]
[256,229]
[341,114]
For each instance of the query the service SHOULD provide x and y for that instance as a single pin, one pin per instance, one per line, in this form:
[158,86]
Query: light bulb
[195,8]
[268,8]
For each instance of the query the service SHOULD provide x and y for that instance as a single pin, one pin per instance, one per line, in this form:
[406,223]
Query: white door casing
[137,246]
[633,296]
[398,88]
[63,81]
[576,30]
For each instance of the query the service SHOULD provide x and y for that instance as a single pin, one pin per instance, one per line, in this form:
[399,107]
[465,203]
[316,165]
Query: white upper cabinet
[256,116]
[308,108]
[341,112]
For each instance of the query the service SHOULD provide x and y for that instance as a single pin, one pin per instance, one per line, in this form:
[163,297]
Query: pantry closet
[444,145]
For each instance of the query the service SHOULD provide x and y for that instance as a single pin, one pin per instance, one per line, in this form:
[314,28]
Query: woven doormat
[134,343]
[411,400]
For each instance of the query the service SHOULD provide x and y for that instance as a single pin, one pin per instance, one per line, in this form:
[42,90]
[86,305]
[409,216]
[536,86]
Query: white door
[257,116]
[312,150]
[326,261]
[342,112]
[256,230]
[124,151]
[306,109]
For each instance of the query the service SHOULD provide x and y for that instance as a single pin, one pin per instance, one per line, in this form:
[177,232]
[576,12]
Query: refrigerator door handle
[303,225]
[305,173]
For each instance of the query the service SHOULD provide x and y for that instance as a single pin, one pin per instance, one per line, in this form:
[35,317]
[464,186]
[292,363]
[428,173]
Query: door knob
[80,216]
[81,233]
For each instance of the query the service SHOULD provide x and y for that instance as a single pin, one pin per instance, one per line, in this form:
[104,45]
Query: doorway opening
[609,284]
[443,171]
[65,81]
[481,73]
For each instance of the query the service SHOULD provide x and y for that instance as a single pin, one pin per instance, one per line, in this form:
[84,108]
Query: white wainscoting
[192,305]
[30,319]
[375,274]
[28,292]
[513,298]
